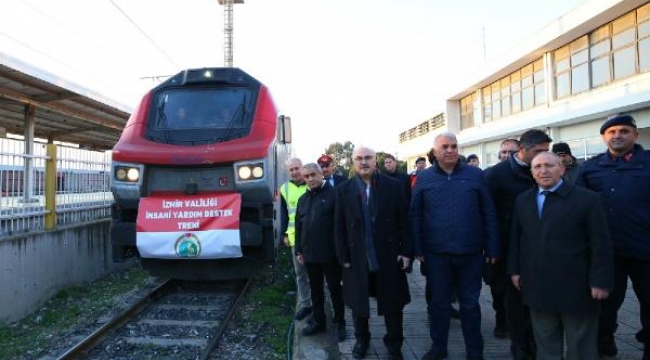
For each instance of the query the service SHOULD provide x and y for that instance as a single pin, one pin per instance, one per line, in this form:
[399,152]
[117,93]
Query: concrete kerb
[323,346]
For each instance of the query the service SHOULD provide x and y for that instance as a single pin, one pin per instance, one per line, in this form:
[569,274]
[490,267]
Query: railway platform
[416,332]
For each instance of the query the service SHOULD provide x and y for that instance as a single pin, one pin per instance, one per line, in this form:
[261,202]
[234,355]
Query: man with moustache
[561,261]
[621,175]
[454,226]
[374,249]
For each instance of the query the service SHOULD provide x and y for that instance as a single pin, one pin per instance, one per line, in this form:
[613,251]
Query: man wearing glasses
[373,246]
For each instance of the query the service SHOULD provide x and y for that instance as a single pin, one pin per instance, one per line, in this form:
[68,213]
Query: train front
[195,177]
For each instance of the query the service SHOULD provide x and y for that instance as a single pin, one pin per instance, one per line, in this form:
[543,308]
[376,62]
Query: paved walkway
[416,330]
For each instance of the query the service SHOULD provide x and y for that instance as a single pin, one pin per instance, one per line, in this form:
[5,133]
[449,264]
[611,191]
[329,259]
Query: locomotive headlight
[250,171]
[133,174]
[258,172]
[244,173]
[127,173]
[120,174]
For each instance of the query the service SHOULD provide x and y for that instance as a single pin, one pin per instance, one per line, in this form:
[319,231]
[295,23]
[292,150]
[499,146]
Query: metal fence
[80,190]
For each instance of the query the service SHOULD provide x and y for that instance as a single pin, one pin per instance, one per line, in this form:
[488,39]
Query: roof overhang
[63,111]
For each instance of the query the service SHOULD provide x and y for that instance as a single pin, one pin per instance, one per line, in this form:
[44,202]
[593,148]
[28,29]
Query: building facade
[569,77]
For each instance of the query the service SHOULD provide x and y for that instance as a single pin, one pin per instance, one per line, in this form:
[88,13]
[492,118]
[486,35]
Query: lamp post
[228,29]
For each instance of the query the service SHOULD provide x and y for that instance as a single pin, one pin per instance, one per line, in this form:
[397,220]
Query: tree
[342,154]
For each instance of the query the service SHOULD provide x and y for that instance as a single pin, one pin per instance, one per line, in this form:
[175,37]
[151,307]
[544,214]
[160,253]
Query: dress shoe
[475,357]
[607,345]
[313,329]
[303,313]
[519,354]
[455,314]
[341,333]
[360,349]
[499,332]
[395,355]
[433,355]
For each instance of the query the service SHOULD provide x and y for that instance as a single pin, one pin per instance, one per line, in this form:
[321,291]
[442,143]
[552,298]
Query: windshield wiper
[240,114]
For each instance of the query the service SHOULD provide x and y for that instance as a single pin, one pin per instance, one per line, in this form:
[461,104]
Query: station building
[566,79]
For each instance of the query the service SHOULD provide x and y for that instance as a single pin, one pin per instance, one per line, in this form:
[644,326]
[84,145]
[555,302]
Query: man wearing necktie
[561,261]
[326,163]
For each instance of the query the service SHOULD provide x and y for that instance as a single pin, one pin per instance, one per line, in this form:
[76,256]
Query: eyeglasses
[325,165]
[363,158]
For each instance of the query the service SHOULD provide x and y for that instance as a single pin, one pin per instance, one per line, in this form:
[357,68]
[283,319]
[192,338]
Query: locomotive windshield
[196,116]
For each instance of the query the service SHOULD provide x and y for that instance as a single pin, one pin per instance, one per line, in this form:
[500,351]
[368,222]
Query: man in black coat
[561,261]
[373,246]
[315,249]
[506,181]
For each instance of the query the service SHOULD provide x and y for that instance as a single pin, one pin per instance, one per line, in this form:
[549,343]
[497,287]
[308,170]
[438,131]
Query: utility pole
[228,30]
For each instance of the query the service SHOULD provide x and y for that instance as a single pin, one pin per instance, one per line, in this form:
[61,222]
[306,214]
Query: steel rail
[98,335]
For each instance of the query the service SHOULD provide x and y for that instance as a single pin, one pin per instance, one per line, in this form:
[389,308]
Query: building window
[527,98]
[623,46]
[467,111]
[515,90]
[487,104]
[506,109]
[612,52]
[496,101]
[538,80]
[571,66]
[643,33]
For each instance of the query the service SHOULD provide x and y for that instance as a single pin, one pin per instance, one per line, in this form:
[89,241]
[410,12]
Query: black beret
[472,156]
[618,120]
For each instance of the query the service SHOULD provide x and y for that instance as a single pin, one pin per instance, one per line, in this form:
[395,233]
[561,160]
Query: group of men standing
[557,255]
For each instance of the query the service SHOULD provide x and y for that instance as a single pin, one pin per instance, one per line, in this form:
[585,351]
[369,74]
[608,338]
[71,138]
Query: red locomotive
[195,175]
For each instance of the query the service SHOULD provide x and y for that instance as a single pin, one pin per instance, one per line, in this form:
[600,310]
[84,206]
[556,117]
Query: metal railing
[56,185]
[423,128]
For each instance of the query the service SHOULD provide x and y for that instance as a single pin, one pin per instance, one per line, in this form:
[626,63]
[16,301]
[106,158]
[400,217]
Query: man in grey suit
[561,261]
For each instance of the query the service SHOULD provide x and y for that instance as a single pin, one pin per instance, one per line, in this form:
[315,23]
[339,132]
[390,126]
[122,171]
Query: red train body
[202,139]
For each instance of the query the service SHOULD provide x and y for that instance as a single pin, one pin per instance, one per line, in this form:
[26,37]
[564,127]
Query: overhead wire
[145,34]
[52,58]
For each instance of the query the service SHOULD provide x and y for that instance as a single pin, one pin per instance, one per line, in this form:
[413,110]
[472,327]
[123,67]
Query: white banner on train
[205,226]
[213,244]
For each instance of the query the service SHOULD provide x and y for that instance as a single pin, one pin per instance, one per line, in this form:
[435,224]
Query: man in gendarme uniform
[622,177]
[291,191]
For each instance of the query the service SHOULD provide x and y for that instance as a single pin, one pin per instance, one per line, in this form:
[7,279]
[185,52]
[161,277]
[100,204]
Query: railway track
[176,320]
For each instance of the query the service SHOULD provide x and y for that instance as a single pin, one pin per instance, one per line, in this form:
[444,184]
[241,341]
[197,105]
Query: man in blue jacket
[622,177]
[455,231]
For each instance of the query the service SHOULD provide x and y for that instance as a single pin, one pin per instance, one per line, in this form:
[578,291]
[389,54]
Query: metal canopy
[63,111]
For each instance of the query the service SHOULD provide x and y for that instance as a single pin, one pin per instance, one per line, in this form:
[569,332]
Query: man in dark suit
[374,249]
[326,163]
[561,261]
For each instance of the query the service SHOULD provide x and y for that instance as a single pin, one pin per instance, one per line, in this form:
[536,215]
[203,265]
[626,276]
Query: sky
[343,70]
